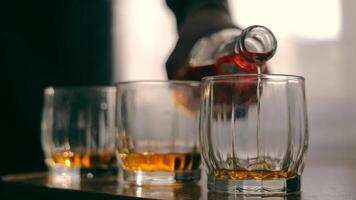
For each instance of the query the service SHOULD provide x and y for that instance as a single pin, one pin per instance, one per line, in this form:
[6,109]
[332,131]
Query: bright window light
[315,20]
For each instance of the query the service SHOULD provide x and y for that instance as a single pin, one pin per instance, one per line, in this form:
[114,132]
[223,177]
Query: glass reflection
[64,179]
[219,196]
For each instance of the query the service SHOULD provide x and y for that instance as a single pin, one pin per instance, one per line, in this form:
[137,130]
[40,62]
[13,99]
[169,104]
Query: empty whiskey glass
[78,131]
[253,133]
[157,131]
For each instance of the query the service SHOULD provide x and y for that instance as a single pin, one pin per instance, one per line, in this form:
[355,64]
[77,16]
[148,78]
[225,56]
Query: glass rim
[169,82]
[53,89]
[261,76]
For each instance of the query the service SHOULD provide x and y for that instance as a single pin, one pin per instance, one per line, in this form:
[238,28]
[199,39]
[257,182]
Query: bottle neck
[256,44]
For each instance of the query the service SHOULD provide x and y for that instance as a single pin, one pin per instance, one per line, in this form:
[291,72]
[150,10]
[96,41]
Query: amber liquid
[251,175]
[167,162]
[258,171]
[84,160]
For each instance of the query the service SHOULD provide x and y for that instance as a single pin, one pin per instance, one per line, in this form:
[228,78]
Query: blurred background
[62,42]
[317,39]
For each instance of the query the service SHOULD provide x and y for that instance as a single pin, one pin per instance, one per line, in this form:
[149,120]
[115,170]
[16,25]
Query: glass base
[160,178]
[255,187]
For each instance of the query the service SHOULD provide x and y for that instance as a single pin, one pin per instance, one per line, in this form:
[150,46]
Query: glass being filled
[254,133]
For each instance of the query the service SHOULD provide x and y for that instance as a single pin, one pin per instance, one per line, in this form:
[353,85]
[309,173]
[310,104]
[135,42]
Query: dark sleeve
[195,19]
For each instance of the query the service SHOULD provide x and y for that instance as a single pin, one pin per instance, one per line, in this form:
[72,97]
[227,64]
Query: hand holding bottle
[230,51]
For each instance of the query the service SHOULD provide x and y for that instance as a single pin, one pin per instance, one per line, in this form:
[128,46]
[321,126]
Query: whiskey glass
[253,133]
[78,131]
[157,131]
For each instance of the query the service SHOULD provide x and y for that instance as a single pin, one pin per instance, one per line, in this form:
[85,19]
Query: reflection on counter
[70,181]
[177,191]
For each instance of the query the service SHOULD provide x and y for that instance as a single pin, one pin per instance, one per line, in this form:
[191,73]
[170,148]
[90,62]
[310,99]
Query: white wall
[144,34]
